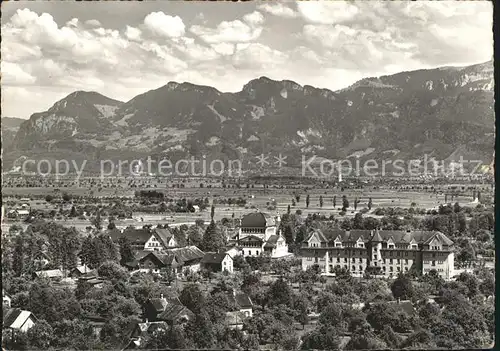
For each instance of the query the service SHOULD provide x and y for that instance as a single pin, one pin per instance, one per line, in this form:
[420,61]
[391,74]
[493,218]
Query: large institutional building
[379,252]
[258,234]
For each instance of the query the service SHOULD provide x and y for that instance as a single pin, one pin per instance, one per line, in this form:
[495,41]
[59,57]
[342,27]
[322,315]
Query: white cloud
[258,56]
[93,23]
[164,25]
[41,57]
[255,18]
[232,31]
[278,9]
[224,48]
[133,33]
[327,12]
[72,23]
[13,74]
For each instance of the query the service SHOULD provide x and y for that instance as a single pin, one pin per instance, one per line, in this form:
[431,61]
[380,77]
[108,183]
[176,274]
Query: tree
[392,339]
[288,209]
[126,252]
[112,271]
[40,335]
[307,200]
[66,197]
[345,203]
[18,258]
[192,297]
[97,221]
[49,198]
[301,306]
[288,234]
[280,293]
[364,339]
[334,201]
[213,239]
[87,251]
[322,338]
[195,235]
[73,213]
[402,288]
[320,201]
[370,204]
[212,212]
[358,221]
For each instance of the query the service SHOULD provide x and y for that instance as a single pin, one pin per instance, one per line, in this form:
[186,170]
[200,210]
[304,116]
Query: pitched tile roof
[15,318]
[271,241]
[51,273]
[241,300]
[398,236]
[163,235]
[137,236]
[214,257]
[160,257]
[174,311]
[186,254]
[251,238]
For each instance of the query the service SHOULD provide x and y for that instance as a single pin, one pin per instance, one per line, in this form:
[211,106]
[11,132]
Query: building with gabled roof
[17,319]
[154,261]
[169,310]
[217,262]
[379,252]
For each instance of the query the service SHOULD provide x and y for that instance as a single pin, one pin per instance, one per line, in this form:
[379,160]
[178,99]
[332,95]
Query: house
[82,272]
[17,319]
[145,239]
[52,274]
[160,239]
[258,235]
[379,252]
[6,299]
[233,251]
[155,261]
[136,332]
[175,314]
[190,256]
[137,237]
[96,323]
[18,214]
[217,262]
[169,310]
[242,302]
[234,319]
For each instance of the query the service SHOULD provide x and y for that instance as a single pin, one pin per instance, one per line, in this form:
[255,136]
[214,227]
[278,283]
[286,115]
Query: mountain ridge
[434,110]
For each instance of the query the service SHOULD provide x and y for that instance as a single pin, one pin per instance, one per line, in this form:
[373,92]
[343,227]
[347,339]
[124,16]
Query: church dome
[257,220]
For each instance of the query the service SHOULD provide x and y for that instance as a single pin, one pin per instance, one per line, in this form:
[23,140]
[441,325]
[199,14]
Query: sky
[121,49]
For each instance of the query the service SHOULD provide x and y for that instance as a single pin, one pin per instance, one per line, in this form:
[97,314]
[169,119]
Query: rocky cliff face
[436,111]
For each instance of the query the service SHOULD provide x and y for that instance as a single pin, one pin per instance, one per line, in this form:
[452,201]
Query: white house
[6,299]
[217,262]
[18,319]
[160,239]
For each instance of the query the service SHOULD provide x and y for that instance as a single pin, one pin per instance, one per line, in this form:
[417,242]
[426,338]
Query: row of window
[362,245]
[360,268]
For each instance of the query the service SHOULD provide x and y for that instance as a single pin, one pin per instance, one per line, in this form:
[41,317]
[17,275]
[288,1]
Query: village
[236,272]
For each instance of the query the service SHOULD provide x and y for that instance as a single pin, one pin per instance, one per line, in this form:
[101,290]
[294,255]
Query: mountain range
[445,112]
